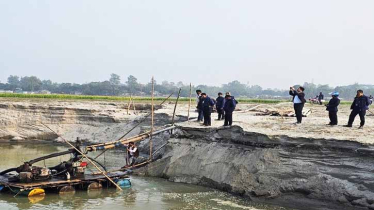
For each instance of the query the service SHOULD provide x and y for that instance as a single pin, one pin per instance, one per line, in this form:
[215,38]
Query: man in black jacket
[298,101]
[359,106]
[199,106]
[332,107]
[229,107]
[207,104]
[220,102]
[320,98]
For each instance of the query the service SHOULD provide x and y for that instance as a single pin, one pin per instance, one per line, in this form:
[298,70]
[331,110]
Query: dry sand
[314,126]
[103,121]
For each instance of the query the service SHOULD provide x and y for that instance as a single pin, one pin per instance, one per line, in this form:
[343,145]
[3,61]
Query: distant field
[123,98]
[116,98]
[74,97]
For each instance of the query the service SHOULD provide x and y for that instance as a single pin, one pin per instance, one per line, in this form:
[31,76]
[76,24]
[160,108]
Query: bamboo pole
[189,104]
[152,120]
[175,107]
[115,184]
[131,139]
[128,105]
[145,117]
[133,106]
[141,121]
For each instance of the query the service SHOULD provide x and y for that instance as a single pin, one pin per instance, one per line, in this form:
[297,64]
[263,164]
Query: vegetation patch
[121,98]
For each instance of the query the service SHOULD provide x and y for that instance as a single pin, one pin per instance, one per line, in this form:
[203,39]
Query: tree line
[114,86]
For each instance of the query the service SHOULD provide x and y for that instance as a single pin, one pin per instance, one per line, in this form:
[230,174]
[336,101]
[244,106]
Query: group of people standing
[359,106]
[225,107]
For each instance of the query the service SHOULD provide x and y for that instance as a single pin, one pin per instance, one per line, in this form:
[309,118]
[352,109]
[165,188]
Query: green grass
[75,97]
[118,98]
[136,99]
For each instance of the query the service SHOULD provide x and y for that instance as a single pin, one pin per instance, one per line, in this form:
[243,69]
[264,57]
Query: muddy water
[146,193]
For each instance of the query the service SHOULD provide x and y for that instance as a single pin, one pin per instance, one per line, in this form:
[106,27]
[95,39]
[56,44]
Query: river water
[145,193]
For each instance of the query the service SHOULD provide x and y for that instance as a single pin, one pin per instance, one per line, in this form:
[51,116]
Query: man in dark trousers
[199,106]
[332,107]
[320,98]
[220,102]
[207,105]
[298,101]
[359,106]
[133,153]
[229,107]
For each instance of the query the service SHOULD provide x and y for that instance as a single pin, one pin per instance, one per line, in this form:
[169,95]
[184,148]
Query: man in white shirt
[133,153]
[298,101]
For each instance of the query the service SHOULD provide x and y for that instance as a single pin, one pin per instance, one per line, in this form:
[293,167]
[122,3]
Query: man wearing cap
[220,102]
[207,105]
[298,102]
[229,107]
[332,107]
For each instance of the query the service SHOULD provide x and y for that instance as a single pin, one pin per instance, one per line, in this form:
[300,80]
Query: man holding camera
[298,102]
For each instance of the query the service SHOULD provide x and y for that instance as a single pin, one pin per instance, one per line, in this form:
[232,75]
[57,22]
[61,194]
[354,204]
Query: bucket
[126,183]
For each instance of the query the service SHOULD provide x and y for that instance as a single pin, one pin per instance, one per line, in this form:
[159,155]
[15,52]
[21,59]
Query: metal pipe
[132,139]
[31,162]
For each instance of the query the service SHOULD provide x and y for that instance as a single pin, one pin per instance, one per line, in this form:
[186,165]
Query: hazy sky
[272,43]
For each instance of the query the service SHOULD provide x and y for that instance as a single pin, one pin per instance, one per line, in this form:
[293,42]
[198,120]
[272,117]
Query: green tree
[31,83]
[254,91]
[148,87]
[115,82]
[236,88]
[115,79]
[14,82]
[47,85]
[132,83]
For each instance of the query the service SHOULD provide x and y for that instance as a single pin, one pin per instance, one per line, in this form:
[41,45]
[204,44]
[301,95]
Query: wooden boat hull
[56,184]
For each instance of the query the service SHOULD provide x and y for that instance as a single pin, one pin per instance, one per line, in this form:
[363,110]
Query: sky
[270,43]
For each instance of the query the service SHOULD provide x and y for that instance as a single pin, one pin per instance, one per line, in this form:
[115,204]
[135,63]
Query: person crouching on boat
[133,153]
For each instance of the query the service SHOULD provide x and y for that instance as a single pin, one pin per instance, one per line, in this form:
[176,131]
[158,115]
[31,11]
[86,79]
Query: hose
[8,170]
